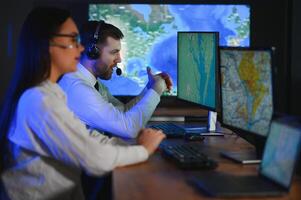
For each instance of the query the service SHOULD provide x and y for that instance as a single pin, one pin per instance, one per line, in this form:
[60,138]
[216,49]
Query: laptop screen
[281,151]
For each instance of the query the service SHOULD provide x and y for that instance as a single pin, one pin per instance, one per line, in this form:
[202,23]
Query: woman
[45,145]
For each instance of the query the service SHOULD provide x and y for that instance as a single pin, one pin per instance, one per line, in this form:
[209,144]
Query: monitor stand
[211,129]
[247,156]
[243,157]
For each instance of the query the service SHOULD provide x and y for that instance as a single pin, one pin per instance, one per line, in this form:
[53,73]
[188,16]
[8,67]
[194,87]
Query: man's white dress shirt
[101,111]
[49,146]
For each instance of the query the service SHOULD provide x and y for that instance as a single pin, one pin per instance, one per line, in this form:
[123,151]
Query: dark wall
[13,13]
[295,84]
[270,26]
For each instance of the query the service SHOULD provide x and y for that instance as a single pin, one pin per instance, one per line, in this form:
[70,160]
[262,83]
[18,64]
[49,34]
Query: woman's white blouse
[49,146]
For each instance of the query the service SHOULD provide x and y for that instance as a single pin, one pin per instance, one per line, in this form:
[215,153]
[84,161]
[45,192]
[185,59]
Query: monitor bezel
[216,34]
[253,138]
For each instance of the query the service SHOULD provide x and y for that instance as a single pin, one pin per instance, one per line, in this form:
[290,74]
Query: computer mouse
[194,137]
[211,164]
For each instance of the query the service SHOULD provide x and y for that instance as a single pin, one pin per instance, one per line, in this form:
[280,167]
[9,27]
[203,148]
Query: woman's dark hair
[32,64]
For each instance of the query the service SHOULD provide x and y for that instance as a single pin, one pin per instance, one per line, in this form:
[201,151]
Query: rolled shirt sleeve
[100,114]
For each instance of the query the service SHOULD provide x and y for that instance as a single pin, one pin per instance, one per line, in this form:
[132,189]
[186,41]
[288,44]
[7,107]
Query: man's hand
[150,139]
[167,79]
[159,82]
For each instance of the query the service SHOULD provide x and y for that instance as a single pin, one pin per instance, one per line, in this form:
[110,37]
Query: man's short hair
[88,30]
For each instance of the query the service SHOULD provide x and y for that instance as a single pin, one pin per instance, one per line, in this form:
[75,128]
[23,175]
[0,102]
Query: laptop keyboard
[170,129]
[188,156]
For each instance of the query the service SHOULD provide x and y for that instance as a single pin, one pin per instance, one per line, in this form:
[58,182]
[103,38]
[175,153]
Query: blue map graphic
[151,36]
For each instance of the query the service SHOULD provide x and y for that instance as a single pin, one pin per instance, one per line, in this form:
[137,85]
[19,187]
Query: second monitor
[197,71]
[197,79]
[197,68]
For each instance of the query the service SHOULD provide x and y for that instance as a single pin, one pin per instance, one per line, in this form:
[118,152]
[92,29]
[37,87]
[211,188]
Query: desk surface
[159,179]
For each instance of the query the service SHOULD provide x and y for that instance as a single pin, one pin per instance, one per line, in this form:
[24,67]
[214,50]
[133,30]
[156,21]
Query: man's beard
[105,75]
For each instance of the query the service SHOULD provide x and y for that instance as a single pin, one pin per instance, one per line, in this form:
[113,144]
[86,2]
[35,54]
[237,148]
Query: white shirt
[102,111]
[49,146]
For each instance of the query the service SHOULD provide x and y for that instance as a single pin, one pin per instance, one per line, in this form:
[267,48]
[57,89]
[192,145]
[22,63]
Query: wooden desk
[159,179]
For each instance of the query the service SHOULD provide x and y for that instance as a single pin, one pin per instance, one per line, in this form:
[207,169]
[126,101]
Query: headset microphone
[118,71]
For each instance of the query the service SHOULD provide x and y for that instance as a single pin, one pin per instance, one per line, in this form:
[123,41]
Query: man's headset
[93,52]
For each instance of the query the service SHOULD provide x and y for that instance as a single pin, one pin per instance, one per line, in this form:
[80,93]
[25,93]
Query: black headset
[93,51]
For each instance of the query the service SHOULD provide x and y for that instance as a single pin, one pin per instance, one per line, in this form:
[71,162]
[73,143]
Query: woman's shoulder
[33,93]
[36,96]
[32,97]
[45,96]
[44,90]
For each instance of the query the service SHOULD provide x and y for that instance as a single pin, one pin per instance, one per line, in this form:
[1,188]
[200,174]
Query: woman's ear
[50,48]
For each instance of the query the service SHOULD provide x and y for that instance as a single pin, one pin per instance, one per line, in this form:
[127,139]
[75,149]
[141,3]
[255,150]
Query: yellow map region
[250,75]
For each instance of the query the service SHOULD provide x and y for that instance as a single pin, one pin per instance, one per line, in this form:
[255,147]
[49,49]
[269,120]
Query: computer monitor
[151,36]
[197,68]
[198,72]
[246,93]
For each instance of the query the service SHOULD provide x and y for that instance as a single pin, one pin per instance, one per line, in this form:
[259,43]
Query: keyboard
[170,129]
[188,156]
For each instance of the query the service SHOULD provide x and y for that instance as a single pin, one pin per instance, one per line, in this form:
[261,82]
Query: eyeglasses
[76,38]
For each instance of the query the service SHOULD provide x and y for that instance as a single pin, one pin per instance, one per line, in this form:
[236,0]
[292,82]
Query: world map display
[150,32]
[246,86]
[197,67]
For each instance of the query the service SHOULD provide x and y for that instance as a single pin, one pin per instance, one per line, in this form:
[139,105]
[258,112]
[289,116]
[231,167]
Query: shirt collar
[88,76]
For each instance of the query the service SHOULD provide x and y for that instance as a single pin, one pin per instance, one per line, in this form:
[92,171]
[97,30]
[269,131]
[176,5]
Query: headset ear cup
[93,52]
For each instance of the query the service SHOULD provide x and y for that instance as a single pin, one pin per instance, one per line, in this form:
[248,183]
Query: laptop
[276,169]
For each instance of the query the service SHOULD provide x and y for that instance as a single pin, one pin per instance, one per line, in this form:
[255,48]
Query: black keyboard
[187,156]
[170,129]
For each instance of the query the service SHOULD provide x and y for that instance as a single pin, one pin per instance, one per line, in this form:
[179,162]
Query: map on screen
[281,153]
[151,36]
[197,67]
[246,86]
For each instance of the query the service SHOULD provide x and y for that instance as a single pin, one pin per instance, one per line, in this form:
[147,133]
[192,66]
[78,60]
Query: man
[92,102]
